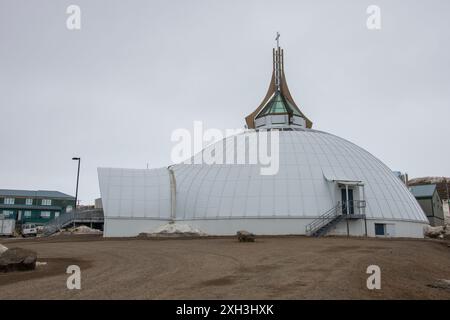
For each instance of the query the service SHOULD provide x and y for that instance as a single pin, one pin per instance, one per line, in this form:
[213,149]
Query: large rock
[17,259]
[245,236]
[440,284]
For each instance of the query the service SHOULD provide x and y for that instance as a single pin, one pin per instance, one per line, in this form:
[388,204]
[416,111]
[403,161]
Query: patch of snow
[2,249]
[178,228]
[437,232]
[434,232]
[39,263]
[84,230]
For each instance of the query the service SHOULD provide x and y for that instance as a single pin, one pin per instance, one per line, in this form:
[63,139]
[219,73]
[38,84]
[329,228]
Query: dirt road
[271,268]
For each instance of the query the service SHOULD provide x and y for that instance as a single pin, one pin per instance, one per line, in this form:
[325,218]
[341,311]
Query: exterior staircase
[320,226]
[73,217]
[325,222]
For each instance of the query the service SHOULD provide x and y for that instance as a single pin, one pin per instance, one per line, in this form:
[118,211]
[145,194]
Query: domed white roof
[311,163]
[318,174]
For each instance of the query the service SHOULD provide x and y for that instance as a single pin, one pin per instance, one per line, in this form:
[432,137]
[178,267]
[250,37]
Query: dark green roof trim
[35,194]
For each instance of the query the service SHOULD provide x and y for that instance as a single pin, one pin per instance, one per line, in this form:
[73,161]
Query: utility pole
[76,190]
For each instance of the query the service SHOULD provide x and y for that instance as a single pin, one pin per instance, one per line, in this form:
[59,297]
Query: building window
[56,214]
[380,229]
[8,201]
[8,213]
[69,208]
[27,214]
[45,214]
[46,202]
[29,202]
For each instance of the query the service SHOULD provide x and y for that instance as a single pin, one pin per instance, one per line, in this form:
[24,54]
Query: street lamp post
[76,191]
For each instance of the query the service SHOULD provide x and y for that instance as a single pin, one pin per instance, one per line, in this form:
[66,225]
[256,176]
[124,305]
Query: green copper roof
[278,105]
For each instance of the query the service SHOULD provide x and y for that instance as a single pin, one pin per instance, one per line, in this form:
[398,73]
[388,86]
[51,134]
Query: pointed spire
[278,100]
[277,63]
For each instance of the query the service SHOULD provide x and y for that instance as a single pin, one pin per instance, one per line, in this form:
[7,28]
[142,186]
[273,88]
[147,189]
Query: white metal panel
[390,230]
[221,197]
[299,121]
[278,119]
[7,226]
[137,193]
[309,159]
[260,122]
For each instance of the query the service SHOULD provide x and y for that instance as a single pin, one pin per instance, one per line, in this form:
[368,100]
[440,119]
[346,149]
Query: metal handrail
[323,219]
[68,217]
[358,204]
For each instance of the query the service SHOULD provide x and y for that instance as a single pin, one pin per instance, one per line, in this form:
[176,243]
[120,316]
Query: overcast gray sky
[113,92]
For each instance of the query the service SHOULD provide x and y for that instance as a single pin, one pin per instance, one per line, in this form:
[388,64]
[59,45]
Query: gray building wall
[433,208]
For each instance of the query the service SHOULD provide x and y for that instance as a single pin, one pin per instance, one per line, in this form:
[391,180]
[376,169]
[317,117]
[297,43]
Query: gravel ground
[270,268]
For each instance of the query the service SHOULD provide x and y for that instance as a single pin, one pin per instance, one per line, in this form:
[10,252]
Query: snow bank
[439,232]
[2,249]
[447,231]
[84,230]
[175,229]
[433,232]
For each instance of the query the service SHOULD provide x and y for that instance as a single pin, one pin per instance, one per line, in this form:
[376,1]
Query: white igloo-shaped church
[325,185]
